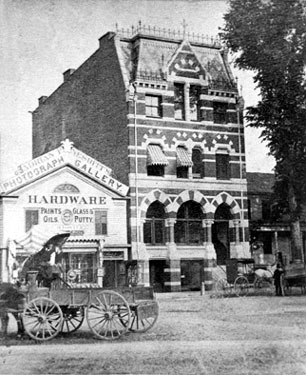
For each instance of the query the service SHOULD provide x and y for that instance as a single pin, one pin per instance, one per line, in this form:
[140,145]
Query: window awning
[183,158]
[38,237]
[155,156]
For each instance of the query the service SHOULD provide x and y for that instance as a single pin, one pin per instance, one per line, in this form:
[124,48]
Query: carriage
[242,276]
[61,307]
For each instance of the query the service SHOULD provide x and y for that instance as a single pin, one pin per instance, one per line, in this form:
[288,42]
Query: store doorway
[221,233]
[157,278]
[191,274]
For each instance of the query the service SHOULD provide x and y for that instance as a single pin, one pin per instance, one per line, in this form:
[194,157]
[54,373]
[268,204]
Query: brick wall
[92,98]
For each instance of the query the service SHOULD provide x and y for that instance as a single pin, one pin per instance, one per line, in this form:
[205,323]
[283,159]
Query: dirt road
[194,335]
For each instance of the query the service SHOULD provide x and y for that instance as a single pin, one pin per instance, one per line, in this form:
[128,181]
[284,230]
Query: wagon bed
[295,276]
[110,313]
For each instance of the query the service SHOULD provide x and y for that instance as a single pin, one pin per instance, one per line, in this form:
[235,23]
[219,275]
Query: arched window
[154,226]
[188,228]
[222,234]
[197,161]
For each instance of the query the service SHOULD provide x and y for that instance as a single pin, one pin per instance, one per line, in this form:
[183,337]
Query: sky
[40,39]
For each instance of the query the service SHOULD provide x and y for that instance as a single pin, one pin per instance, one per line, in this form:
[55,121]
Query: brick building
[161,109]
[269,231]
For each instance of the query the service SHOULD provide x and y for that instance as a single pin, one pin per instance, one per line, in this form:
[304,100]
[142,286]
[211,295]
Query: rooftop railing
[168,33]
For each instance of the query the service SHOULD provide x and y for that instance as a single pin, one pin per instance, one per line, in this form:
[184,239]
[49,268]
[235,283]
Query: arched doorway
[221,233]
[188,231]
[154,233]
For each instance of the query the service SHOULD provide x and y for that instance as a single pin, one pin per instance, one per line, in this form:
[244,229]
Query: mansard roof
[148,52]
[63,156]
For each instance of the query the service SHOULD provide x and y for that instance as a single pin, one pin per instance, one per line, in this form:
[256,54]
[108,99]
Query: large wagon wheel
[241,286]
[143,316]
[42,318]
[108,315]
[73,318]
[223,287]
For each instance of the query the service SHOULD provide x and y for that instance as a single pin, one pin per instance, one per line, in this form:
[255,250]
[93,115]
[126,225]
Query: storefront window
[84,265]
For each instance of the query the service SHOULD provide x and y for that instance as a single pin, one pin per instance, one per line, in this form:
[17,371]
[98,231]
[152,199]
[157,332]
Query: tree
[268,37]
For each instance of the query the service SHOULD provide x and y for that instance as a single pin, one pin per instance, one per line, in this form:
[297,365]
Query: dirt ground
[194,335]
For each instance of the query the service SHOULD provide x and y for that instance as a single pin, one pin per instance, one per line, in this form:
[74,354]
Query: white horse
[266,274]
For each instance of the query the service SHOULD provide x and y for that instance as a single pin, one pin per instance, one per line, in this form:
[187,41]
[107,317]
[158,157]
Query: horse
[266,274]
[12,301]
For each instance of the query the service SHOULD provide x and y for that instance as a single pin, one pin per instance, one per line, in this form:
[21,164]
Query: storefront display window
[84,265]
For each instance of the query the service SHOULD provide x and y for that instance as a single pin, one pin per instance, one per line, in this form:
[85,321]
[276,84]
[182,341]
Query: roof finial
[184,23]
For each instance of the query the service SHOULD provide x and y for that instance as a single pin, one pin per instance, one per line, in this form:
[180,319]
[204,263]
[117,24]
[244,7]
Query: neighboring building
[161,109]
[269,232]
[62,191]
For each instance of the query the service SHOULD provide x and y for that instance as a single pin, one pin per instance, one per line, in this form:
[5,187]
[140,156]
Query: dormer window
[194,103]
[179,101]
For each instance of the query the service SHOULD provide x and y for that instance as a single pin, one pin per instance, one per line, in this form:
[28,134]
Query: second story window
[223,171]
[31,218]
[183,162]
[220,114]
[179,105]
[100,222]
[194,103]
[156,161]
[153,106]
[197,161]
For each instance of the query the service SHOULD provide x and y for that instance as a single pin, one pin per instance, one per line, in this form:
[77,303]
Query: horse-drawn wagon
[242,274]
[45,311]
[294,277]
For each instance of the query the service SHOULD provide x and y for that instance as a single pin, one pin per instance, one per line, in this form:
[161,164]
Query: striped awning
[155,156]
[183,158]
[35,239]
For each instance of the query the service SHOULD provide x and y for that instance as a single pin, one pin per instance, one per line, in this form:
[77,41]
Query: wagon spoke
[113,319]
[42,318]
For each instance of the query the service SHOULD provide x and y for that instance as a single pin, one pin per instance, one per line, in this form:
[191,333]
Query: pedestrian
[278,280]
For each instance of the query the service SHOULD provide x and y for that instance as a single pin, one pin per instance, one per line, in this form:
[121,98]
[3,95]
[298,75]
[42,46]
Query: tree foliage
[268,37]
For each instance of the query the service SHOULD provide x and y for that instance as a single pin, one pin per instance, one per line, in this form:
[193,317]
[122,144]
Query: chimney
[42,99]
[67,74]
